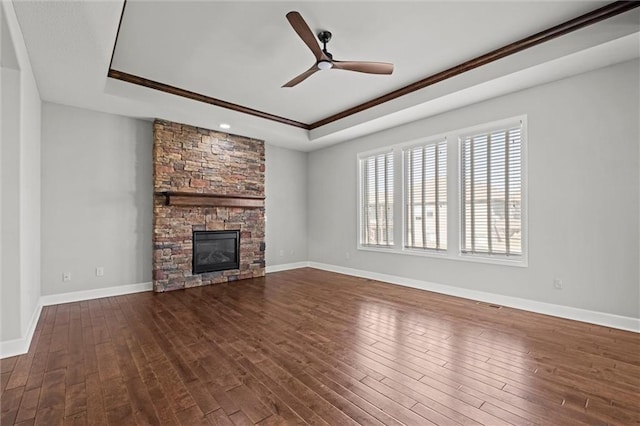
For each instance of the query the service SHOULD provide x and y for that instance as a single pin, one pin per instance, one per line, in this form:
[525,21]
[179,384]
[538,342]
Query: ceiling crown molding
[585,20]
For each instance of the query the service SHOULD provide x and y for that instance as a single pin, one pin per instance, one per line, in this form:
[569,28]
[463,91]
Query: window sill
[438,254]
[448,255]
[521,262]
[384,249]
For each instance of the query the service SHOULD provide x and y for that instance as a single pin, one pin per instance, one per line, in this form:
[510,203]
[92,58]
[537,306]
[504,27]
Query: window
[491,192]
[425,189]
[459,195]
[376,208]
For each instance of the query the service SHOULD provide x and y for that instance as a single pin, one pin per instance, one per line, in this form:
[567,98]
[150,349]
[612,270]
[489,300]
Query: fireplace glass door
[215,251]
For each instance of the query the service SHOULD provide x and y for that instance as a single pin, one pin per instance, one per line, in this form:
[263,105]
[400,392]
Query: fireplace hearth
[215,251]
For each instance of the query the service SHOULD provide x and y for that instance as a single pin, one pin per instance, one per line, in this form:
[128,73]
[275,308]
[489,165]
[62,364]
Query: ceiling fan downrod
[325,37]
[323,64]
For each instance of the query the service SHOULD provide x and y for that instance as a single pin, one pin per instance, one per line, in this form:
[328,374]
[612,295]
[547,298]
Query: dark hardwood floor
[308,346]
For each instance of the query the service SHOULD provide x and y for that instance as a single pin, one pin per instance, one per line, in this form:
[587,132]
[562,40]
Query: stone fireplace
[208,195]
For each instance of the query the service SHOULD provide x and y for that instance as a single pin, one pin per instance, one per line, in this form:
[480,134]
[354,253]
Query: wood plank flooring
[313,347]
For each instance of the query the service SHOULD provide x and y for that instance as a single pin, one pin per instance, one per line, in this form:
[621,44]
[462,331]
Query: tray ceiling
[243,52]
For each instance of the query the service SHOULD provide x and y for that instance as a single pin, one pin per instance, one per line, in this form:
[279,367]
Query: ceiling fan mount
[324,37]
[324,59]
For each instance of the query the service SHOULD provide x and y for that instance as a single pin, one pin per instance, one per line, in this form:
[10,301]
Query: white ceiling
[242,52]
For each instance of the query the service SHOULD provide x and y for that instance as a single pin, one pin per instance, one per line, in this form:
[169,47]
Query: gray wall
[20,186]
[97,206]
[97,200]
[583,178]
[286,205]
[10,221]
[30,198]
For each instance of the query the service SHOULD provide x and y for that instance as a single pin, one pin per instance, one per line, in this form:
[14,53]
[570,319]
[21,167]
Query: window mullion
[463,202]
[386,200]
[472,185]
[489,187]
[507,231]
[437,198]
[423,188]
[412,203]
[365,202]
[377,201]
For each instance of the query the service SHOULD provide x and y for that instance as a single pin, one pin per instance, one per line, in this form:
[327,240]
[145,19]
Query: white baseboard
[78,296]
[568,312]
[286,267]
[21,346]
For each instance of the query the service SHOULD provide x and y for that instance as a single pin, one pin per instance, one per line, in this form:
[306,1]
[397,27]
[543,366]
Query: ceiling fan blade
[301,77]
[366,67]
[305,33]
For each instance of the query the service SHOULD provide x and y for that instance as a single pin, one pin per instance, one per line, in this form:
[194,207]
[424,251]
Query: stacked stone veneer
[191,159]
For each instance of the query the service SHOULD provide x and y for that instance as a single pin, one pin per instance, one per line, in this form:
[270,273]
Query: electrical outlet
[281,253]
[66,276]
[100,271]
[347,255]
[557,283]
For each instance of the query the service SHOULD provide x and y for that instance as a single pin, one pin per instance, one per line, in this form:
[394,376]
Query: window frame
[495,258]
[361,157]
[454,196]
[404,148]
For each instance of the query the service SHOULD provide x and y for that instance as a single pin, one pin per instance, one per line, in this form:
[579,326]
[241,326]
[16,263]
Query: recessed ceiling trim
[141,81]
[115,43]
[590,18]
[564,28]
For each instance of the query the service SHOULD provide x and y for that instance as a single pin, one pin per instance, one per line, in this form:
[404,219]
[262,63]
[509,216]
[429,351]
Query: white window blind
[376,222]
[491,202]
[425,188]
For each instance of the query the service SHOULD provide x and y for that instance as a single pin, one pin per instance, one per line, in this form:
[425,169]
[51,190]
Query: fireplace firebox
[215,251]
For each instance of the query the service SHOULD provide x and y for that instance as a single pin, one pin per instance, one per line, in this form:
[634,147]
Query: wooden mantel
[211,200]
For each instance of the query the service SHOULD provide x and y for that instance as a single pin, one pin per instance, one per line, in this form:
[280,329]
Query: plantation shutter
[377,200]
[491,202]
[426,196]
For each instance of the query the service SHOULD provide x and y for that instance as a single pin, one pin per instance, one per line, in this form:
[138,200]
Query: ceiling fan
[324,59]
